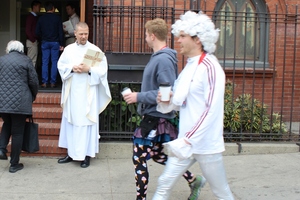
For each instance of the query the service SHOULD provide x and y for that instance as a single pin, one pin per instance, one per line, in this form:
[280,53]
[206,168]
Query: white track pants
[211,166]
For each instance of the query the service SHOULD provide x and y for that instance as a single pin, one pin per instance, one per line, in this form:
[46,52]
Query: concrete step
[117,150]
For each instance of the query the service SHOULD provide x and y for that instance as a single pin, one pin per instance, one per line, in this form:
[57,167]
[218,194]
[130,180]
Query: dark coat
[18,83]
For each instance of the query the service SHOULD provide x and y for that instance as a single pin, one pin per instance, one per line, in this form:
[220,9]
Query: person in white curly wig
[199,25]
[198,94]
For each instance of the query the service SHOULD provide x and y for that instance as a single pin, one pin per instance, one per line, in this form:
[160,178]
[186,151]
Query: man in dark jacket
[49,29]
[18,89]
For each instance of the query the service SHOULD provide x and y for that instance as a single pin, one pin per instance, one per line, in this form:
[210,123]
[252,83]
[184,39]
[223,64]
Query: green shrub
[248,115]
[243,114]
[119,116]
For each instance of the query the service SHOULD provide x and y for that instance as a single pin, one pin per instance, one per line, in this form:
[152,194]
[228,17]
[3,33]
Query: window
[243,32]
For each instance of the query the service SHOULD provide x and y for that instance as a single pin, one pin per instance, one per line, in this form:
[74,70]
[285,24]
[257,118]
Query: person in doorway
[74,19]
[32,39]
[18,88]
[161,68]
[198,94]
[85,94]
[50,30]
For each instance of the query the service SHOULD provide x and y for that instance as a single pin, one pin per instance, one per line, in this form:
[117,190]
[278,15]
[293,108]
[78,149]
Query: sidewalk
[251,177]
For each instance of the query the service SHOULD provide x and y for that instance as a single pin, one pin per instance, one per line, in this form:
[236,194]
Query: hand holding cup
[165,92]
[129,96]
[125,91]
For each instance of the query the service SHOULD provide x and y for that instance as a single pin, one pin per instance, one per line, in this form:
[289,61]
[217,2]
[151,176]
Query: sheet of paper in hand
[92,57]
[67,26]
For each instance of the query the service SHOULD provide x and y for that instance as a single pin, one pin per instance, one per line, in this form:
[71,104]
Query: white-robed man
[85,94]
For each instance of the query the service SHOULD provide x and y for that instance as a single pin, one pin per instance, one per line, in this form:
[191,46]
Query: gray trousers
[211,166]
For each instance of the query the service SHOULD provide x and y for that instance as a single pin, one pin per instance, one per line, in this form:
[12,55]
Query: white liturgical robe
[84,96]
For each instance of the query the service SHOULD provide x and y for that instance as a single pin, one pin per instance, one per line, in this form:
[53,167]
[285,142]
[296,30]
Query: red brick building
[258,46]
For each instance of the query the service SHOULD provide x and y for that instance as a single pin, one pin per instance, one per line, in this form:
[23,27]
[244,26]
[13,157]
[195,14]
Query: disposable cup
[165,90]
[126,90]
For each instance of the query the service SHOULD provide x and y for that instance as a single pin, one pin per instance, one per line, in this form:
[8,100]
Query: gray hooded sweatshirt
[161,68]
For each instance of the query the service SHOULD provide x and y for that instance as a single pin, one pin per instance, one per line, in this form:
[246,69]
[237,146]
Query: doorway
[25,8]
[60,5]
[13,18]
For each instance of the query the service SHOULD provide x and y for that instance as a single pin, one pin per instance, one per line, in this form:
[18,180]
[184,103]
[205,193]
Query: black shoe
[66,159]
[15,168]
[86,162]
[3,155]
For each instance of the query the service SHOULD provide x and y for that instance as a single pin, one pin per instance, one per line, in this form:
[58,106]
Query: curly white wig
[15,45]
[199,25]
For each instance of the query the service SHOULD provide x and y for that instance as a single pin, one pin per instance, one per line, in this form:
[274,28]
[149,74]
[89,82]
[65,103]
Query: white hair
[15,45]
[199,25]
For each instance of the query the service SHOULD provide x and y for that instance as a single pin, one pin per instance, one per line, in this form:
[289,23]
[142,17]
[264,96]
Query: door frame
[82,10]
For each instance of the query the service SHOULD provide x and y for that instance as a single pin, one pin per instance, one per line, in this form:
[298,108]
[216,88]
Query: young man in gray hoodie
[156,127]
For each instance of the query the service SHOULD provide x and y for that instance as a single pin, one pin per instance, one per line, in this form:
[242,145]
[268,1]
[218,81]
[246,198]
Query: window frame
[264,24]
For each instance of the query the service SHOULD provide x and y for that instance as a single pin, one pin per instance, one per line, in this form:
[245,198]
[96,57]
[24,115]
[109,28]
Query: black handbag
[30,137]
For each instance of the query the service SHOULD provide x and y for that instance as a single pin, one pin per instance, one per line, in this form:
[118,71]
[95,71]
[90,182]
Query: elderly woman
[18,89]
